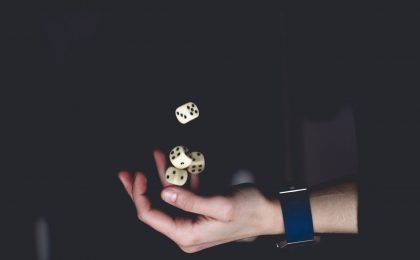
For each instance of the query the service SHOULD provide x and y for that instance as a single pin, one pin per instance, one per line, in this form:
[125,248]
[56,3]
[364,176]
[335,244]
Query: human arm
[244,212]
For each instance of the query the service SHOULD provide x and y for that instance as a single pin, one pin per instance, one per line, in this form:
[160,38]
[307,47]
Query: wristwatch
[297,218]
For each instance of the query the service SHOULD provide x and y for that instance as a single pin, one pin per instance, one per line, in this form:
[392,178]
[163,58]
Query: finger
[160,160]
[139,184]
[127,181]
[219,207]
[194,182]
[155,218]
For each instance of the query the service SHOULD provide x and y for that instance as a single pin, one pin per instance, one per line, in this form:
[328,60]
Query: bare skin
[244,213]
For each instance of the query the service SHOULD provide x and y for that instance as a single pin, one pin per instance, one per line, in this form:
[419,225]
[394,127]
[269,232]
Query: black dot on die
[188,107]
[193,171]
[196,111]
[177,113]
[198,154]
[182,163]
[193,166]
[173,172]
[194,160]
[173,157]
[192,105]
[185,117]
[177,148]
[178,154]
[172,152]
[167,176]
[182,177]
[191,113]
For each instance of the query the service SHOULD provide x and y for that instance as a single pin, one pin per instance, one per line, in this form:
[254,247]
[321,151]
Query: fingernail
[169,195]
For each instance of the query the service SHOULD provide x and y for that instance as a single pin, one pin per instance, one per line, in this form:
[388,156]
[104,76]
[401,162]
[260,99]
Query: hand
[220,219]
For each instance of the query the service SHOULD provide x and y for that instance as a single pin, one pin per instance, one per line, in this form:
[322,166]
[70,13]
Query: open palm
[220,219]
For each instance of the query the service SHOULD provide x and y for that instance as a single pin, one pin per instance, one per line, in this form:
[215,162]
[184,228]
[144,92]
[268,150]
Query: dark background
[88,92]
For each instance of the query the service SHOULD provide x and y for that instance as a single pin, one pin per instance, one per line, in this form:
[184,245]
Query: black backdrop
[95,91]
[88,92]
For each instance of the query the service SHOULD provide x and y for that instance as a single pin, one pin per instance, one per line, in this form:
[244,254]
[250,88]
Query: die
[176,176]
[187,112]
[179,157]
[198,163]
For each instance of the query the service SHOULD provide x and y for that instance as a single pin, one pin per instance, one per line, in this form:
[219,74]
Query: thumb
[218,207]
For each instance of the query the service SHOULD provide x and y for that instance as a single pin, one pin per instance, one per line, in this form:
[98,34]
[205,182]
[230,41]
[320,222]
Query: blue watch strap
[297,216]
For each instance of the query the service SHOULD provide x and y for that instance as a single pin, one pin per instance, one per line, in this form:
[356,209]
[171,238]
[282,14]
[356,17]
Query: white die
[198,163]
[176,176]
[187,112]
[179,157]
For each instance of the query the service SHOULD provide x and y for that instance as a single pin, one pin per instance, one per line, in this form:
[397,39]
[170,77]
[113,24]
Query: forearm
[334,210]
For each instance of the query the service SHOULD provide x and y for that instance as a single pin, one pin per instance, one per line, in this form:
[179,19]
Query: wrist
[273,223]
